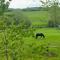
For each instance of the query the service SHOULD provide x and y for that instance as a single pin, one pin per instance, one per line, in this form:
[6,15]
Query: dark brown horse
[40,34]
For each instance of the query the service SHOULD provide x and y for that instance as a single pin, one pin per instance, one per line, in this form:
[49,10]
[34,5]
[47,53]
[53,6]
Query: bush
[52,23]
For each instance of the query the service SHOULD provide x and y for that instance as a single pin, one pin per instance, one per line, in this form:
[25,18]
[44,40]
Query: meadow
[28,47]
[52,37]
[37,17]
[32,46]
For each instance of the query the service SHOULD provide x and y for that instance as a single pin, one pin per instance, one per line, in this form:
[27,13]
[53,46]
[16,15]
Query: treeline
[35,9]
[29,9]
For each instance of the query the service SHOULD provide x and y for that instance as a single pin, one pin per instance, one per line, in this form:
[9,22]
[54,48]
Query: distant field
[37,17]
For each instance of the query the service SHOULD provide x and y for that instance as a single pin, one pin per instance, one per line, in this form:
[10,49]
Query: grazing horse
[40,34]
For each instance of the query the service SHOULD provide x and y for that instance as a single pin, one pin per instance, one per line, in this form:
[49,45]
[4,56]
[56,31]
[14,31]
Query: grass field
[52,36]
[37,17]
[29,48]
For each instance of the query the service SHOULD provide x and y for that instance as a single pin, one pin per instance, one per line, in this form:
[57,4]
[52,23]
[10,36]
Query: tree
[16,27]
[53,10]
[54,14]
[4,6]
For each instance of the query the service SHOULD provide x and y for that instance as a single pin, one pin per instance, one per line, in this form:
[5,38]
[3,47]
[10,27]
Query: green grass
[37,17]
[52,36]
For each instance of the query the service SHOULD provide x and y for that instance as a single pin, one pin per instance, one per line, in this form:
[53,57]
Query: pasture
[32,45]
[19,47]
[37,17]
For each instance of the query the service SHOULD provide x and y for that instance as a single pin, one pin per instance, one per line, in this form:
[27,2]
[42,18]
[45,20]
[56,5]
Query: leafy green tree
[4,6]
[15,27]
[53,10]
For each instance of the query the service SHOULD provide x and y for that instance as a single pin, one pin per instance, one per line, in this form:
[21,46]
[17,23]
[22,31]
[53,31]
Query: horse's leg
[43,36]
[36,36]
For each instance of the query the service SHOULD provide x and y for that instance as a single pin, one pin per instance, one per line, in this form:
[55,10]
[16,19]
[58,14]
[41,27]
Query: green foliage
[38,18]
[9,20]
[54,12]
[15,27]
[35,9]
[3,6]
[17,43]
[25,48]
